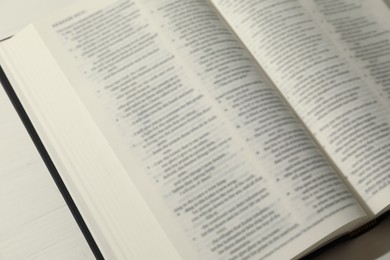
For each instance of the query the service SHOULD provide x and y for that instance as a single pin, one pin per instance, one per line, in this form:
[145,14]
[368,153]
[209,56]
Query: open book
[213,129]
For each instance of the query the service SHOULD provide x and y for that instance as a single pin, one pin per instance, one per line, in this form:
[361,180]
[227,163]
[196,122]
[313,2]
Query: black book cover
[49,164]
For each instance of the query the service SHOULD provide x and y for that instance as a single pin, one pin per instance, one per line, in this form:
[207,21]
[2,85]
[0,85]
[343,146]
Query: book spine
[363,229]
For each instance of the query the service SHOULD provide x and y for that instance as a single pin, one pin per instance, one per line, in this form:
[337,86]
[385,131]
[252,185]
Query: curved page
[173,99]
[335,99]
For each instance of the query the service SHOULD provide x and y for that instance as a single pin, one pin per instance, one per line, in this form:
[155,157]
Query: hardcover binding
[363,229]
[49,164]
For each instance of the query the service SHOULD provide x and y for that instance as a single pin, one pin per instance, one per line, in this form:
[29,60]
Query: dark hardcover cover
[49,164]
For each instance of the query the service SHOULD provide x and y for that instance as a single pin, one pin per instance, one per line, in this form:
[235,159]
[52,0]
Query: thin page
[223,165]
[327,90]
[35,221]
[362,30]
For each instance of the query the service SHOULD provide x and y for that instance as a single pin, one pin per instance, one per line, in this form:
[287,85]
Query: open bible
[221,129]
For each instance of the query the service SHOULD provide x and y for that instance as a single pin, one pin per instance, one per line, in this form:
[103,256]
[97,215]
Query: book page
[363,29]
[34,221]
[114,211]
[219,159]
[326,89]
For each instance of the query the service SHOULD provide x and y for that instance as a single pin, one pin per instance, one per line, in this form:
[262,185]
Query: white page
[213,134]
[15,14]
[121,224]
[362,29]
[35,222]
[329,94]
